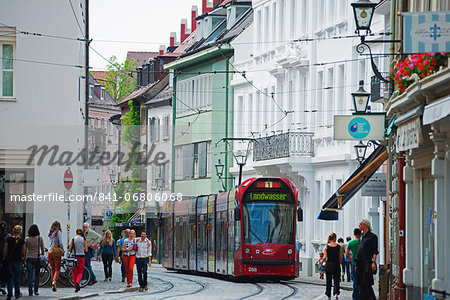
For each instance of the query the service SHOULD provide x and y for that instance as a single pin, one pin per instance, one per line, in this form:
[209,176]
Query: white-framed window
[193,94]
[102,93]
[166,127]
[193,160]
[91,91]
[7,70]
[154,129]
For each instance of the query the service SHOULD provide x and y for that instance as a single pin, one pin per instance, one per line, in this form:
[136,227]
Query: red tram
[248,231]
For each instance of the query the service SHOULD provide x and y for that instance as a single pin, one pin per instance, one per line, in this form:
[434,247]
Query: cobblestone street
[165,284]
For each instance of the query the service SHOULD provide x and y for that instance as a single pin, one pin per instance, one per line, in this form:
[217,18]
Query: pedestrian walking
[333,257]
[350,253]
[119,256]
[13,252]
[107,252]
[92,239]
[3,235]
[346,262]
[143,258]
[340,242]
[34,248]
[79,247]
[321,265]
[56,252]
[129,256]
[366,260]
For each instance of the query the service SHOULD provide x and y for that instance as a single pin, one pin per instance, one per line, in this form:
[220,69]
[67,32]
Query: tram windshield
[268,222]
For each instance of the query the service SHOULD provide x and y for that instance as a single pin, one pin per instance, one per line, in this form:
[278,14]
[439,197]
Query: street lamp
[241,159]
[360,150]
[219,171]
[112,177]
[363,11]
[360,98]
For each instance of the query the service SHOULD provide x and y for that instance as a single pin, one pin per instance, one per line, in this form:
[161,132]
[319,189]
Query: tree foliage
[119,83]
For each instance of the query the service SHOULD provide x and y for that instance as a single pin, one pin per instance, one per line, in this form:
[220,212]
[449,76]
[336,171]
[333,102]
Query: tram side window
[237,235]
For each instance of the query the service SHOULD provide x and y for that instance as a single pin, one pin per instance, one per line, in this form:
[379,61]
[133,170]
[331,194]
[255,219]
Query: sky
[149,21]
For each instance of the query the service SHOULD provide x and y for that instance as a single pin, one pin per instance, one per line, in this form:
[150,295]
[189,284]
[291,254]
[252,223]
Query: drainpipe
[401,225]
[227,63]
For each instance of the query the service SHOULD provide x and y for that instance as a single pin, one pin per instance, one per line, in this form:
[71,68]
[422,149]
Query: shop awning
[353,184]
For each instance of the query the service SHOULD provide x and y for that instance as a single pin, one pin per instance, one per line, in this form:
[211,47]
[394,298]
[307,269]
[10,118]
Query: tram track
[294,291]
[259,291]
[202,287]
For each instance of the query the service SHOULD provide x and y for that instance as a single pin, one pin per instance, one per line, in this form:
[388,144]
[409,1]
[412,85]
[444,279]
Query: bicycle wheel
[44,275]
[84,279]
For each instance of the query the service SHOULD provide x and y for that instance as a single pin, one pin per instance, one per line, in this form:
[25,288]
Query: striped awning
[355,182]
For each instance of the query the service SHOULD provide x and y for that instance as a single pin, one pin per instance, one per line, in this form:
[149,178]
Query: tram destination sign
[266,196]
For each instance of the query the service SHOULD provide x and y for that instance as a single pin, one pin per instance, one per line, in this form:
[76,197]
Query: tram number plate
[252,269]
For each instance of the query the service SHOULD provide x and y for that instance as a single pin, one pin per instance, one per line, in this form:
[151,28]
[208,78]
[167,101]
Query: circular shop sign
[359,128]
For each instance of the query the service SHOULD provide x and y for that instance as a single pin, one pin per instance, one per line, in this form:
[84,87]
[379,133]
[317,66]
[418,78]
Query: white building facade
[42,104]
[298,75]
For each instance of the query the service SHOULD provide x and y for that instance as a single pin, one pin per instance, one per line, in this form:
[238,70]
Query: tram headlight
[247,250]
[289,251]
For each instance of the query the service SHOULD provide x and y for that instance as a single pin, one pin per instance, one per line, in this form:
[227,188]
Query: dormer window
[91,91]
[102,93]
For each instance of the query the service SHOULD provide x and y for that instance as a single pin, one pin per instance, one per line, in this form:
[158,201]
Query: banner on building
[426,32]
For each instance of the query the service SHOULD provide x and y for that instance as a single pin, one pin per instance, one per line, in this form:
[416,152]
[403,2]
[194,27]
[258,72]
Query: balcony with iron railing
[290,144]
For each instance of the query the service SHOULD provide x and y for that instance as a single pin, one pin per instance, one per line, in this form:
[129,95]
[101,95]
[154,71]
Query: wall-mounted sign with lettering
[359,127]
[409,135]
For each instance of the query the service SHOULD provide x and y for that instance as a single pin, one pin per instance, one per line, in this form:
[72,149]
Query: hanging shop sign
[359,127]
[376,186]
[409,135]
[426,32]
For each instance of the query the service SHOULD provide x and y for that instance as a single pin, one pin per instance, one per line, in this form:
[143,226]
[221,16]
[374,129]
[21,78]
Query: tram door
[210,231]
[184,243]
[221,233]
[202,208]
[177,242]
[192,234]
[233,232]
[167,233]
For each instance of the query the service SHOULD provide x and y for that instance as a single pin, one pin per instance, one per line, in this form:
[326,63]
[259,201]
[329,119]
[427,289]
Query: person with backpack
[143,258]
[129,256]
[34,248]
[56,252]
[78,246]
[3,235]
[13,253]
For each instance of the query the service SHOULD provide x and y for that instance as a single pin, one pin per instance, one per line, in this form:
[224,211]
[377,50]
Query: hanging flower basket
[416,67]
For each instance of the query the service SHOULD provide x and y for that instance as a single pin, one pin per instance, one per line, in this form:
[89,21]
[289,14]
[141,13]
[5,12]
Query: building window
[193,160]
[193,94]
[91,91]
[102,93]
[166,127]
[7,74]
[154,129]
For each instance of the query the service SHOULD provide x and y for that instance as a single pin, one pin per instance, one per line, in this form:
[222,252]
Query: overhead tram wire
[37,34]
[76,19]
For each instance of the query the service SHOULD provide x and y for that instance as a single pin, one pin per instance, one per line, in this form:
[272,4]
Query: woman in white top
[129,256]
[78,246]
[143,258]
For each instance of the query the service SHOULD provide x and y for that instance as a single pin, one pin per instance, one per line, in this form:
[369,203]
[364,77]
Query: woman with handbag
[78,246]
[13,252]
[129,248]
[34,248]
[107,252]
[56,252]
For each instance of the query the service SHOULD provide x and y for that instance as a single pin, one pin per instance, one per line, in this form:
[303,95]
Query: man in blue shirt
[120,254]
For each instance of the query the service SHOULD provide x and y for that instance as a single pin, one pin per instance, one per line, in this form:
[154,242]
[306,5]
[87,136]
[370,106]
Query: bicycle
[65,277]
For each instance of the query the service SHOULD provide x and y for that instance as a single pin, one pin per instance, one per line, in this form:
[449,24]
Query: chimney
[173,38]
[184,30]
[193,16]
[162,48]
[206,6]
